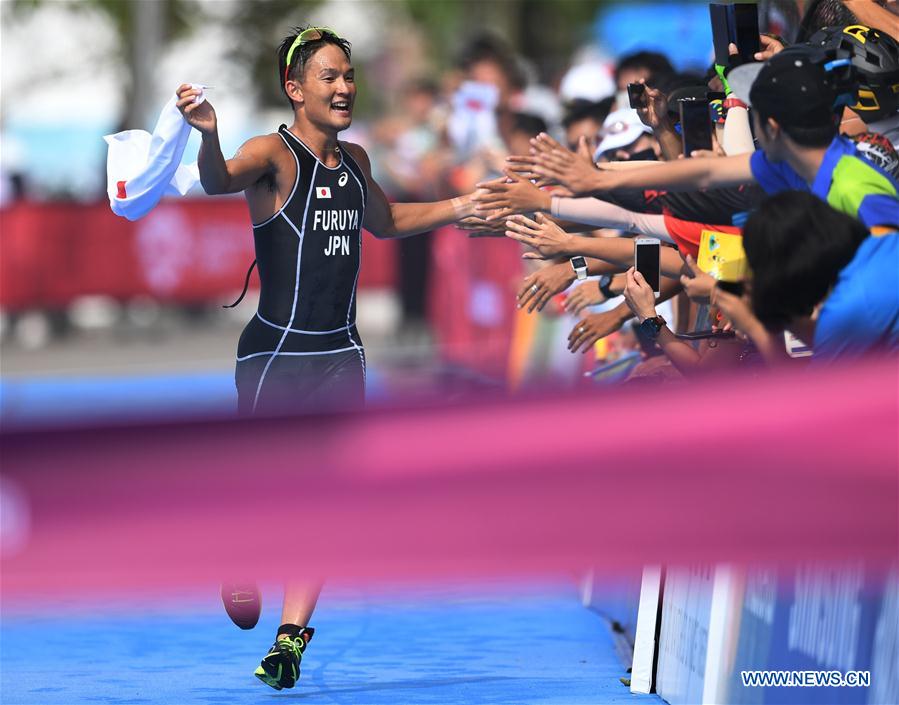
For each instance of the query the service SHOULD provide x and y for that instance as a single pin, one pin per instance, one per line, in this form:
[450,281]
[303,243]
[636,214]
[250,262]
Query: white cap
[591,81]
[621,128]
[741,79]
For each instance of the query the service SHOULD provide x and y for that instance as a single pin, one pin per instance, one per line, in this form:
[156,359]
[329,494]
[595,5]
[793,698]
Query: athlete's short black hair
[796,246]
[581,109]
[302,54]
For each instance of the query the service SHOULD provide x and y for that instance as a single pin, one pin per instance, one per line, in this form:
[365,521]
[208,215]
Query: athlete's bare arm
[254,160]
[396,220]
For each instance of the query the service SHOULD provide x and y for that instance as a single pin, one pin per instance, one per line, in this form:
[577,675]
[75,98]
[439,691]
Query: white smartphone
[648,259]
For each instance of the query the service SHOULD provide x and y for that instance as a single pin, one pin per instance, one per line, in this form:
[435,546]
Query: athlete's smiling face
[329,89]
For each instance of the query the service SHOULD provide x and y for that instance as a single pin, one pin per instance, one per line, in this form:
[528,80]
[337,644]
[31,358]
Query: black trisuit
[301,350]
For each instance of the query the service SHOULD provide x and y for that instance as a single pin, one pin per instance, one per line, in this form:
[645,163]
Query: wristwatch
[579,265]
[605,281]
[653,326]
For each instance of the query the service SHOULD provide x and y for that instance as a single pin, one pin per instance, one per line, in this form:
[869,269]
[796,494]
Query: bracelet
[733,102]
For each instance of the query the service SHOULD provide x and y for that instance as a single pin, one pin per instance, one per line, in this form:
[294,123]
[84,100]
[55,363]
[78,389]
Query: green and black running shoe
[281,666]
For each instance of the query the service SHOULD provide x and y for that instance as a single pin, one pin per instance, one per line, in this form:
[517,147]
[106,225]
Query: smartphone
[745,30]
[738,24]
[636,94]
[704,334]
[735,288]
[696,124]
[647,261]
[720,18]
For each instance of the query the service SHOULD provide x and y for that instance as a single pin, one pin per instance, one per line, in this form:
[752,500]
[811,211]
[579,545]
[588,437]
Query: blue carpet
[428,646]
[80,400]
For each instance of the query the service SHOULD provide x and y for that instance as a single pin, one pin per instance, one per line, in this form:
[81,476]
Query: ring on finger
[535,288]
[581,329]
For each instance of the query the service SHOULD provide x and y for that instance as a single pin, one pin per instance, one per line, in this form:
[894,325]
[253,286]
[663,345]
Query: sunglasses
[313,34]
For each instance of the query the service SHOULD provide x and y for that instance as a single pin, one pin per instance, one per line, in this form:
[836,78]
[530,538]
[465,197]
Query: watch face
[578,262]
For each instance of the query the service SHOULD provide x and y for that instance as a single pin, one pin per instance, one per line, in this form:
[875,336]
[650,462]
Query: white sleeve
[737,133]
[602,214]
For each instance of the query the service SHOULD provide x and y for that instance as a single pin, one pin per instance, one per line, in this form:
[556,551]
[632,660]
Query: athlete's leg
[300,597]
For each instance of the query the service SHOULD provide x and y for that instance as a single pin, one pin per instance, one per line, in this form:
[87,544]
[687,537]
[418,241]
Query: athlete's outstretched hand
[547,238]
[198,115]
[539,288]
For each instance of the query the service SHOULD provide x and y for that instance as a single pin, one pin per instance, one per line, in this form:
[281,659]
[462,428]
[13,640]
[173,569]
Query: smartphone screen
[696,125]
[636,94]
[647,260]
[746,30]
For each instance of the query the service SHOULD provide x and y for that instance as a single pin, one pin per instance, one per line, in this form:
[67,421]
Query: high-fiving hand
[547,238]
[500,198]
[554,163]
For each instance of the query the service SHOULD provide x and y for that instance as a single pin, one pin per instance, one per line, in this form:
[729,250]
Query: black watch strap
[653,326]
[605,281]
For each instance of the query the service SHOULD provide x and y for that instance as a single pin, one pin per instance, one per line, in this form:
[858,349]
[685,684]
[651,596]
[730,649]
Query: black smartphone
[636,94]
[735,288]
[720,17]
[705,334]
[647,260]
[695,125]
[745,30]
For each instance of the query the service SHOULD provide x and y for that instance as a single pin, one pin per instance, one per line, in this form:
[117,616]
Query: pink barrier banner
[187,250]
[778,469]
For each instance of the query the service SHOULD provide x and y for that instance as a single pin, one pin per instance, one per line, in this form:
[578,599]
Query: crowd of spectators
[798,190]
[798,184]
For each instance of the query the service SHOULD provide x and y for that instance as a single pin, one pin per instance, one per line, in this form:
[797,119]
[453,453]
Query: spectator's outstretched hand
[698,285]
[542,285]
[639,296]
[547,238]
[481,227]
[592,328]
[554,163]
[585,294]
[501,198]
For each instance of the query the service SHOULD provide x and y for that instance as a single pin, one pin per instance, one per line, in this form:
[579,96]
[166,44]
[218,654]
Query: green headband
[307,35]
